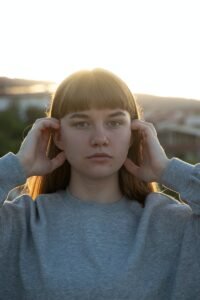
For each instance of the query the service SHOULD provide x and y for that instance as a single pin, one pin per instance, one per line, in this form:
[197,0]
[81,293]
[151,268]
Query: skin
[84,134]
[79,137]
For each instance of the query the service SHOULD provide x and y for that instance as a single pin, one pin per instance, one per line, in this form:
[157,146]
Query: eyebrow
[85,116]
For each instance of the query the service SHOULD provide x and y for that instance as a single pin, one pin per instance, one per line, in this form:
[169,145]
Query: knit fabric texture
[61,247]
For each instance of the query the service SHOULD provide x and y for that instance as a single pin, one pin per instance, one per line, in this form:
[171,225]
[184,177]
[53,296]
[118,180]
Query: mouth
[99,155]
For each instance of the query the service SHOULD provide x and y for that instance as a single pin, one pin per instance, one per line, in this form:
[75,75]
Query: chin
[100,174]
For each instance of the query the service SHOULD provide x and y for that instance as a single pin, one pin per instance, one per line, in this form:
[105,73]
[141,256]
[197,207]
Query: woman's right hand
[33,151]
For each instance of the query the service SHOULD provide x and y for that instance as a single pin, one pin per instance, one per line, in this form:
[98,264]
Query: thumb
[131,167]
[58,160]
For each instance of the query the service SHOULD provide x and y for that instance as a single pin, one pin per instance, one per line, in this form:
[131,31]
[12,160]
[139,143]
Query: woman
[98,228]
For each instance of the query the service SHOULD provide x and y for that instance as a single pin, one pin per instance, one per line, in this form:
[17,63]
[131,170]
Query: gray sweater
[59,247]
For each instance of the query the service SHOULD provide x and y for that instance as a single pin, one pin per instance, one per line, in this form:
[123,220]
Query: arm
[20,219]
[11,175]
[156,166]
[33,151]
[183,178]
[31,159]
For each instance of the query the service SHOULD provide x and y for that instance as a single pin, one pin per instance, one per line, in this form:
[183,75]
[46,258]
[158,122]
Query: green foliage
[13,126]
[33,113]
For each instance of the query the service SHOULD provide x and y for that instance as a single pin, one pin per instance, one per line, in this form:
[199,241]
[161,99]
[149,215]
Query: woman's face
[96,141]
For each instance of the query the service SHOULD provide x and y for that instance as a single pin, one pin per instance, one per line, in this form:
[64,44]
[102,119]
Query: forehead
[98,113]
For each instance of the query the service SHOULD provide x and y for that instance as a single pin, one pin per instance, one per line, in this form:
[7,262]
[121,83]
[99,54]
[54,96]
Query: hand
[154,159]
[33,151]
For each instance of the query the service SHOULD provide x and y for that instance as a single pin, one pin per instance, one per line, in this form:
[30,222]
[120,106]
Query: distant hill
[148,102]
[16,86]
[152,102]
[8,82]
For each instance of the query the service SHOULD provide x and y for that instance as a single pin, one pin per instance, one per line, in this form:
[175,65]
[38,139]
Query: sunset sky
[153,45]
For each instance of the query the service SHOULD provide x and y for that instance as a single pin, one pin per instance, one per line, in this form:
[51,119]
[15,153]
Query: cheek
[70,143]
[123,142]
[125,137]
[72,146]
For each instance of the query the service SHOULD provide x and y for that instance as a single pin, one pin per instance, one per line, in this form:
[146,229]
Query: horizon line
[55,83]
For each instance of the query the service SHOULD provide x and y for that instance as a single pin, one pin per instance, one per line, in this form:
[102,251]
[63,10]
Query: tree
[13,128]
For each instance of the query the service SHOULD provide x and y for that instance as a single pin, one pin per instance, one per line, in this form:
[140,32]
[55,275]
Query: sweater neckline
[75,200]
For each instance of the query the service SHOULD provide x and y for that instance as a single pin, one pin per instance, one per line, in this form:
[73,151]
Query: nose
[99,137]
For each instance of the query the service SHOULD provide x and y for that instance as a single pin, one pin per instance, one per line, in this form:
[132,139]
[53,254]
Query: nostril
[100,141]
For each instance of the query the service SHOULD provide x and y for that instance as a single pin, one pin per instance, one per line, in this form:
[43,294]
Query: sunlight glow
[153,45]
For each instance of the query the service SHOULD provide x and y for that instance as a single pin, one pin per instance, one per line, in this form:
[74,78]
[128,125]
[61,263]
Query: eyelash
[114,124]
[79,124]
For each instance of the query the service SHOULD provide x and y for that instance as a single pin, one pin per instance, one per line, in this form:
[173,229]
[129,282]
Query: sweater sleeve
[184,178]
[13,214]
[11,175]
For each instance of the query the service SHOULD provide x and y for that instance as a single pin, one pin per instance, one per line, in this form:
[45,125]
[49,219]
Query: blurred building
[25,101]
[180,140]
[176,120]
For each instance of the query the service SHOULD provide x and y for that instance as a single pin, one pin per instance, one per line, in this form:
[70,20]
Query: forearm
[183,178]
[11,175]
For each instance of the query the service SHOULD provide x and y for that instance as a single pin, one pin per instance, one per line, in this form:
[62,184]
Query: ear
[58,140]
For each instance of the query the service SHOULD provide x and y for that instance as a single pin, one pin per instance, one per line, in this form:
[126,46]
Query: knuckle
[150,124]
[39,120]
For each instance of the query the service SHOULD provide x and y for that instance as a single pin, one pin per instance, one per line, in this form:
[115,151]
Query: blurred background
[152,45]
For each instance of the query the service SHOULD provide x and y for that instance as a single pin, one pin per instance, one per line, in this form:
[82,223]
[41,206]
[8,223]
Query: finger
[44,140]
[131,167]
[47,119]
[43,126]
[58,160]
[143,126]
[46,123]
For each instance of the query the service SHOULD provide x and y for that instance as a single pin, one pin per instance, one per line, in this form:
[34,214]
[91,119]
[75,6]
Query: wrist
[162,168]
[23,164]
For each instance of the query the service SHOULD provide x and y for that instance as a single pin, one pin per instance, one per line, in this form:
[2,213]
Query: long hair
[81,91]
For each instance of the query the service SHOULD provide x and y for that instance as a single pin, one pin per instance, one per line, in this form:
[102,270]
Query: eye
[81,124]
[114,123]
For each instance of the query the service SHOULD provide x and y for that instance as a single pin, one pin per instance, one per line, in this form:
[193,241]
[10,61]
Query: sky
[153,45]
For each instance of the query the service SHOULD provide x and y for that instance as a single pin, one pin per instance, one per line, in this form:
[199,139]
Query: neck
[98,190]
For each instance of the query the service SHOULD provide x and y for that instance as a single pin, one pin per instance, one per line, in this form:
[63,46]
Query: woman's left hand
[154,159]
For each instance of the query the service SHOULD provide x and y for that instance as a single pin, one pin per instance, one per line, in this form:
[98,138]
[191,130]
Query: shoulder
[50,198]
[166,206]
[24,207]
[50,203]
[25,201]
[163,213]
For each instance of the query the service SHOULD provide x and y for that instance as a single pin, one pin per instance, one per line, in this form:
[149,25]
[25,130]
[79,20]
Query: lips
[101,155]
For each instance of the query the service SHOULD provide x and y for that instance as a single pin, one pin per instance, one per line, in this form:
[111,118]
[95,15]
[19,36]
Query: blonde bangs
[98,89]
